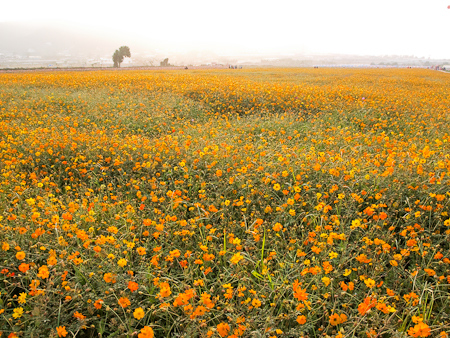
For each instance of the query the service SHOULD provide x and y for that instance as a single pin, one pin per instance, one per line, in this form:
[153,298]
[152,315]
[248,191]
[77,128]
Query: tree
[164,63]
[119,54]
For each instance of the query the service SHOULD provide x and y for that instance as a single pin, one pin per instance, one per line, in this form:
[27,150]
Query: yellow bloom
[122,262]
[256,302]
[333,255]
[370,283]
[22,298]
[18,312]
[139,313]
[326,281]
[236,258]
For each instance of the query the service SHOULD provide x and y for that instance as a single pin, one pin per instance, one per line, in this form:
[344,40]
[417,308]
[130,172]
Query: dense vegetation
[258,203]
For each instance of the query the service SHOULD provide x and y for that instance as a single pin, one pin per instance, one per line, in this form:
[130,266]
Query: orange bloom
[165,289]
[420,330]
[124,302]
[141,251]
[277,227]
[109,278]
[146,332]
[61,330]
[79,316]
[301,320]
[98,304]
[223,329]
[236,258]
[133,286]
[368,303]
[43,272]
[24,267]
[299,293]
[335,319]
[20,255]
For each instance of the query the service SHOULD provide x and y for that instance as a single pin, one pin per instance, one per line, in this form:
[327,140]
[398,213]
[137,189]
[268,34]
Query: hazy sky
[378,27]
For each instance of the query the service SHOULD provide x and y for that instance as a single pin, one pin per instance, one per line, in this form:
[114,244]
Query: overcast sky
[378,27]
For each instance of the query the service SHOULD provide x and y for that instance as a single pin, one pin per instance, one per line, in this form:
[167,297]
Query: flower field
[225,203]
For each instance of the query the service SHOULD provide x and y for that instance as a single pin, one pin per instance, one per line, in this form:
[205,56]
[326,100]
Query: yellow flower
[18,312]
[122,262]
[326,281]
[22,298]
[139,313]
[333,255]
[30,201]
[355,223]
[256,302]
[236,258]
[276,187]
[370,283]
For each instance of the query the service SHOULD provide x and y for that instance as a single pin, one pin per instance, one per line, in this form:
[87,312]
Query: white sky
[377,27]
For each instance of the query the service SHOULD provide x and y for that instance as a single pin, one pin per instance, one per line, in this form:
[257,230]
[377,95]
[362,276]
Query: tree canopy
[120,54]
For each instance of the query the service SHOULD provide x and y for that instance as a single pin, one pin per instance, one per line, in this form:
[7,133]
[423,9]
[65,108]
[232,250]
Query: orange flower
[43,272]
[164,289]
[109,278]
[124,302]
[301,320]
[420,330]
[98,304]
[277,227]
[61,330]
[141,251]
[299,293]
[20,255]
[223,329]
[133,286]
[78,315]
[24,267]
[146,332]
[236,258]
[335,319]
[368,303]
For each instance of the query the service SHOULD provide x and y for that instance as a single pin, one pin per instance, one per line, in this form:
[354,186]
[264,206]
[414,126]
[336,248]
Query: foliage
[120,54]
[269,203]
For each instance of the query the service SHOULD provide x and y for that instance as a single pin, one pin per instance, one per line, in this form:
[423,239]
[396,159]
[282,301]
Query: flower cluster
[215,204]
